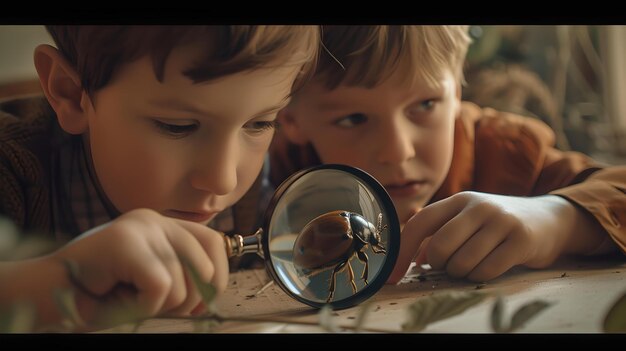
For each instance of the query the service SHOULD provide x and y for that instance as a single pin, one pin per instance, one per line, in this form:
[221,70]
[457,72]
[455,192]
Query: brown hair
[96,52]
[366,55]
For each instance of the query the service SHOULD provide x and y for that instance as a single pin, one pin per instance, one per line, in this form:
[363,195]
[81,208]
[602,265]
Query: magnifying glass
[330,235]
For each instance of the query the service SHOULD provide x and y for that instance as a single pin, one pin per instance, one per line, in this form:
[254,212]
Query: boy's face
[185,150]
[401,135]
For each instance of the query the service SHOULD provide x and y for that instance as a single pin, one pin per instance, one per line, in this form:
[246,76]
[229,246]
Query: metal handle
[238,245]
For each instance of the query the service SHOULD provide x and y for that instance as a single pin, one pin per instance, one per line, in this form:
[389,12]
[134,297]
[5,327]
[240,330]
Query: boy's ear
[62,87]
[290,127]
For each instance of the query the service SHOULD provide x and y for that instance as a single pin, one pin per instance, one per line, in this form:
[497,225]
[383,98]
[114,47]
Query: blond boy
[480,191]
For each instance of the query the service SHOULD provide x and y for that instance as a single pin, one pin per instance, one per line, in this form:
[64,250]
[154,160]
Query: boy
[157,130]
[478,190]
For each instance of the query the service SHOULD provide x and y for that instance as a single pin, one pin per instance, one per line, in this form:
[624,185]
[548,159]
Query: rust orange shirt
[503,153]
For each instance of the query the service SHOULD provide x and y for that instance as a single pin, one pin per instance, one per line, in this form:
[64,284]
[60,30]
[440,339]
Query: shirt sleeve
[516,156]
[603,195]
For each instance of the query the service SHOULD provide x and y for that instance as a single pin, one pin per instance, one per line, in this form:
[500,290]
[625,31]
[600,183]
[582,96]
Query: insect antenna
[379,225]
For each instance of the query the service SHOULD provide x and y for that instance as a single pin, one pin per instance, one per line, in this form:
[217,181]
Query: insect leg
[351,274]
[333,279]
[363,258]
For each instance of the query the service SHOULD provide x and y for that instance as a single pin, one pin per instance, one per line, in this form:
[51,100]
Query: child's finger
[422,225]
[476,248]
[189,252]
[500,260]
[447,240]
[213,244]
[421,252]
[152,280]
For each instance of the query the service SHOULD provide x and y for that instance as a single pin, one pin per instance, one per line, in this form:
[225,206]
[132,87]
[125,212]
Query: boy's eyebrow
[181,106]
[272,109]
[176,105]
[329,105]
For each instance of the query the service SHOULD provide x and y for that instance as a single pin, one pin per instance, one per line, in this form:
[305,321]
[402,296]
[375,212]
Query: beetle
[331,240]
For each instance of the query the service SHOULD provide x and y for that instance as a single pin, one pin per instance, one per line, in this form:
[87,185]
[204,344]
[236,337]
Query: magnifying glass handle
[238,245]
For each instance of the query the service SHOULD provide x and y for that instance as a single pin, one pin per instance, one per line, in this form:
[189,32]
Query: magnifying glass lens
[331,236]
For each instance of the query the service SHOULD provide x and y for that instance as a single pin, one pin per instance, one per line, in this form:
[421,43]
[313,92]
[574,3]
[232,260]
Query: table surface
[580,292]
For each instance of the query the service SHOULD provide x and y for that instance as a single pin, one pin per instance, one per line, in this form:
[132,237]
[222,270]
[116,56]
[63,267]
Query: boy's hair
[96,52]
[366,55]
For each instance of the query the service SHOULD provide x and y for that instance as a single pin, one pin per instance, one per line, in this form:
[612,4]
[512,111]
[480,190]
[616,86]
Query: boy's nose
[216,173]
[396,144]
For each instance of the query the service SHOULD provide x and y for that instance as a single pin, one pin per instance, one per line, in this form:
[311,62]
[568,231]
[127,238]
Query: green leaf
[326,319]
[615,319]
[33,246]
[15,245]
[496,316]
[120,313]
[521,316]
[527,312]
[430,309]
[64,300]
[360,318]
[207,291]
[20,318]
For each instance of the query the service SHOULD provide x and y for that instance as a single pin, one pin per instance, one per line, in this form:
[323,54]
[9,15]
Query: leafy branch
[438,307]
[520,317]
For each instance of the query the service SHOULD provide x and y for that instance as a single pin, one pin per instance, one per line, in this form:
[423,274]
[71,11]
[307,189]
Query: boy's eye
[428,104]
[351,120]
[425,105]
[175,129]
[258,127]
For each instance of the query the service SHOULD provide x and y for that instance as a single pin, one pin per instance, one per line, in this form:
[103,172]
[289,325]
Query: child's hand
[480,236]
[136,263]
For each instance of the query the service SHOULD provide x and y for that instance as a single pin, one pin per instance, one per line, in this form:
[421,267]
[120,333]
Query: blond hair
[366,55]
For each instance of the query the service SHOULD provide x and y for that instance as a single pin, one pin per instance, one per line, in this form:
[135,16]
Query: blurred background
[571,77]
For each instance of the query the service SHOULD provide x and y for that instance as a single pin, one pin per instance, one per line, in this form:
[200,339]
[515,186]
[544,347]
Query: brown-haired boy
[145,134]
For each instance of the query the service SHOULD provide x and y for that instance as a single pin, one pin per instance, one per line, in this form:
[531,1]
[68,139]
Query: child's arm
[134,263]
[480,236]
[515,155]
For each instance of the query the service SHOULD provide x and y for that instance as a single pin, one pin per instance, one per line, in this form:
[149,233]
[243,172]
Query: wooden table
[581,292]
